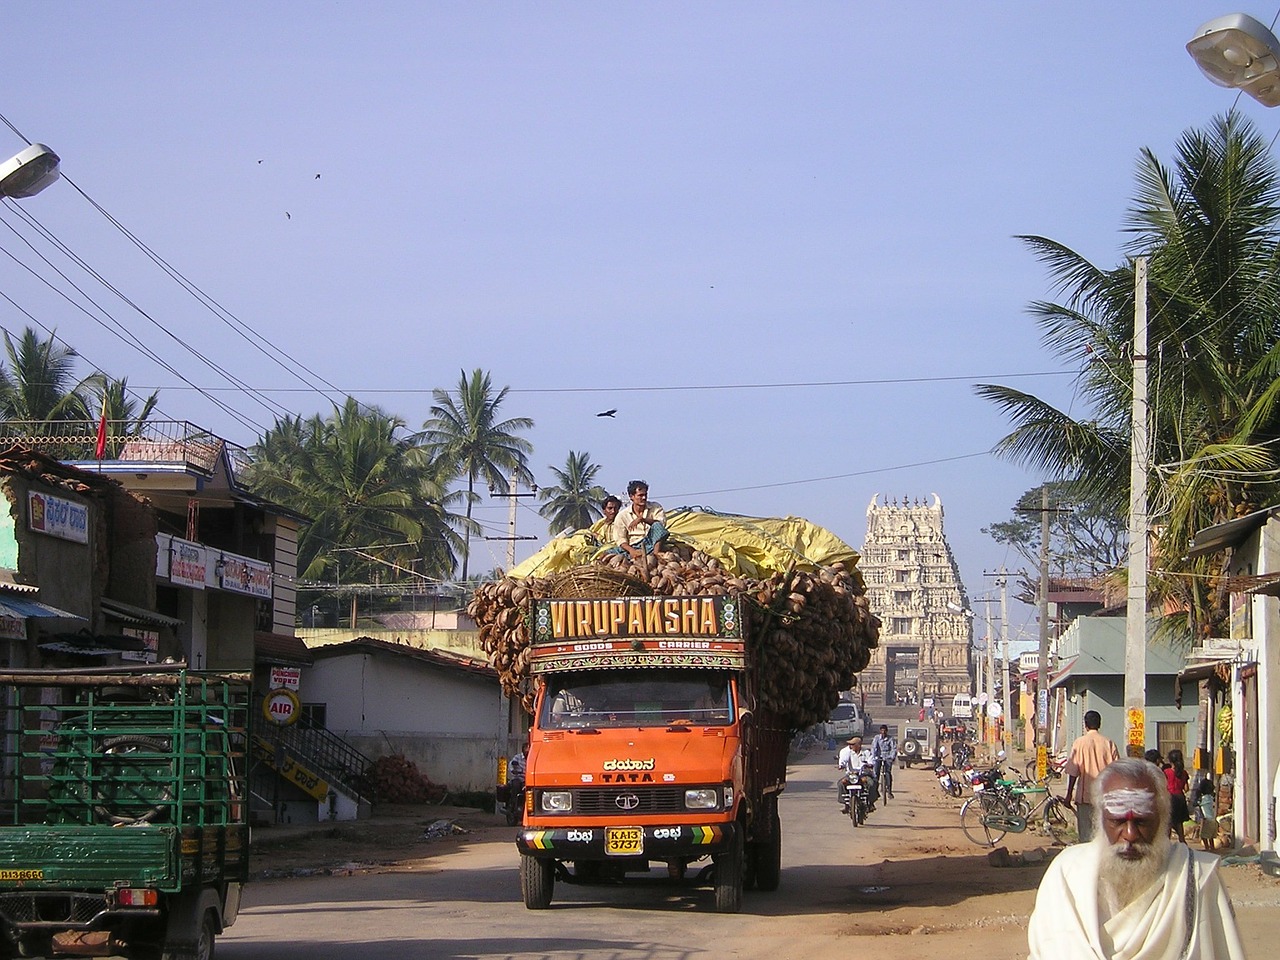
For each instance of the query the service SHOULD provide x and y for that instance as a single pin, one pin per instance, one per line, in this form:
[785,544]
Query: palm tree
[1210,226]
[465,431]
[38,383]
[111,400]
[353,476]
[574,502]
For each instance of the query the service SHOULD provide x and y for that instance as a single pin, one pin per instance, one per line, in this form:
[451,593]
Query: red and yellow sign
[1136,725]
[281,706]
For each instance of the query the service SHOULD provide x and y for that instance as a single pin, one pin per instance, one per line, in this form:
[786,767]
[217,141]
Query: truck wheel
[729,875]
[195,945]
[537,881]
[769,852]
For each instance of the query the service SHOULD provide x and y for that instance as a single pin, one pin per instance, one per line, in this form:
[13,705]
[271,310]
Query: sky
[778,238]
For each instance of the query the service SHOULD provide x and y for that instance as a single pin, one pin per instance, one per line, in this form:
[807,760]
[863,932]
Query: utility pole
[1042,669]
[1135,635]
[1006,717]
[511,537]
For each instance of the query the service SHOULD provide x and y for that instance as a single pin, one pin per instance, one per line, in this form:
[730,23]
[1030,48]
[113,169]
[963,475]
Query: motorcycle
[948,781]
[510,792]
[858,794]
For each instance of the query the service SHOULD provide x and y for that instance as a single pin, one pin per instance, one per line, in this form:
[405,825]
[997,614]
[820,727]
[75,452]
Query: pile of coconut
[810,631]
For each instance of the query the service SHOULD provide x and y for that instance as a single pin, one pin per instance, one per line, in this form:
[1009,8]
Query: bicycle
[986,817]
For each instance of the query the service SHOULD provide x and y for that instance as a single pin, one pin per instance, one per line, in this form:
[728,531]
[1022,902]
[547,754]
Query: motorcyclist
[884,751]
[851,760]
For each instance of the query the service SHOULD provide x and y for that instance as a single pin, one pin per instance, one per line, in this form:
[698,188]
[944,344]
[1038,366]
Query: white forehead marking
[1129,802]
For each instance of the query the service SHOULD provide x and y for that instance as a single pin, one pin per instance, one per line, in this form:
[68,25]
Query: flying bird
[317,176]
[607,413]
[287,215]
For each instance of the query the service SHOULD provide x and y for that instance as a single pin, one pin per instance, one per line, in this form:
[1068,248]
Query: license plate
[978,788]
[623,841]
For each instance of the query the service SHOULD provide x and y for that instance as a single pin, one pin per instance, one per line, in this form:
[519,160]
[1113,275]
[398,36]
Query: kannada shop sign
[188,563]
[57,517]
[242,575]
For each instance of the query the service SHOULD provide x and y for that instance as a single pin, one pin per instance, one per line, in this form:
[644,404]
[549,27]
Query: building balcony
[168,443]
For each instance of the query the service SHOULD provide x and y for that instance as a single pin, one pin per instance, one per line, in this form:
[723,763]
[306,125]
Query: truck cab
[650,750]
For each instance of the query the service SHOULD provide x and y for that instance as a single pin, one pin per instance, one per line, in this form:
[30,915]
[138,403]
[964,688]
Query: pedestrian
[1176,777]
[1206,813]
[1090,755]
[1131,892]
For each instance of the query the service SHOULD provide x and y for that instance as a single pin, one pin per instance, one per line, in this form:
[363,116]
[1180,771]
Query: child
[1205,813]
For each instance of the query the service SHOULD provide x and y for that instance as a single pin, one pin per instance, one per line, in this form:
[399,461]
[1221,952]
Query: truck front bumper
[674,842]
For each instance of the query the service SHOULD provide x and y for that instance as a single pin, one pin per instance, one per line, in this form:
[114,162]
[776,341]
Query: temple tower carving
[911,577]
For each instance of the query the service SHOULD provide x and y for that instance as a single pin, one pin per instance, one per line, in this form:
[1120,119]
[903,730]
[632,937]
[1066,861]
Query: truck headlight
[702,798]
[557,801]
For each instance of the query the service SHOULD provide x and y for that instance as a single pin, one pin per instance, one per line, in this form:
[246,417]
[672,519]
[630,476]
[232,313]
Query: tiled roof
[280,649]
[439,658]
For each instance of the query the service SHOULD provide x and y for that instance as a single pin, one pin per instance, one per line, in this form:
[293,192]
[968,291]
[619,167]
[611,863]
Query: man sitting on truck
[641,526]
[602,529]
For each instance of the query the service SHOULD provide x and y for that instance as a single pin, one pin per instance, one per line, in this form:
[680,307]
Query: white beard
[1121,881]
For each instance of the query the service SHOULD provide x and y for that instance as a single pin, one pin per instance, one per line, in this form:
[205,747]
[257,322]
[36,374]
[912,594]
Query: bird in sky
[607,413]
[287,215]
[317,176]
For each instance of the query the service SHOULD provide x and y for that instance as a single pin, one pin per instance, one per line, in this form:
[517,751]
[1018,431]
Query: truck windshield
[637,698]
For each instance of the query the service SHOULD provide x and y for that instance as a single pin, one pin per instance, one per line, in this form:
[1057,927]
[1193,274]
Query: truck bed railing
[121,749]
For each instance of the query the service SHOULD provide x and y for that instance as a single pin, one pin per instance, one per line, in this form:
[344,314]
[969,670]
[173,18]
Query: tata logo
[627,801]
[579,836]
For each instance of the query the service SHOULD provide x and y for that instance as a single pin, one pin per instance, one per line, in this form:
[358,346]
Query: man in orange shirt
[1090,755]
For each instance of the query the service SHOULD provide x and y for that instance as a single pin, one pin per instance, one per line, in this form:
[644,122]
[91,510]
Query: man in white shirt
[641,525]
[851,759]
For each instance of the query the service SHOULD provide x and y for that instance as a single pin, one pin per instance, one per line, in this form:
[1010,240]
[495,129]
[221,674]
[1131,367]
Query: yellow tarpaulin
[747,546]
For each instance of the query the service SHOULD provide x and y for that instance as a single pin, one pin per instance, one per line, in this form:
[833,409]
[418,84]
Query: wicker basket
[595,581]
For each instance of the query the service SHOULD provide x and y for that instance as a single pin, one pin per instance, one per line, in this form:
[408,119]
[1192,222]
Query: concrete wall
[449,723]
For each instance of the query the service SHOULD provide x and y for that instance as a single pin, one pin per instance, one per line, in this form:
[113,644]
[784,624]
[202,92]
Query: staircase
[312,759]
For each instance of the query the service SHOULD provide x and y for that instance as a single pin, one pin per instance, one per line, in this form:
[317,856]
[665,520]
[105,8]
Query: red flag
[100,448]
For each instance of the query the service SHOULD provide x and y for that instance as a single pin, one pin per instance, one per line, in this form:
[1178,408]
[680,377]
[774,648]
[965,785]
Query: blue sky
[666,208]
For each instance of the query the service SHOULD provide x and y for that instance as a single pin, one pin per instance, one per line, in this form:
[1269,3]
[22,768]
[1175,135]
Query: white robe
[1066,923]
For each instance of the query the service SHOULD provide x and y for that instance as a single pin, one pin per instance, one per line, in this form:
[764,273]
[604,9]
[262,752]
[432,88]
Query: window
[901,624]
[313,716]
[902,598]
[902,576]
[904,554]
[1171,736]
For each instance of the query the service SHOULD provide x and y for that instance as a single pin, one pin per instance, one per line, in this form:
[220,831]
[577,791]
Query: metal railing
[322,752]
[154,441]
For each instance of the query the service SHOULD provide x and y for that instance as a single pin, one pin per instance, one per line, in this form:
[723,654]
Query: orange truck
[647,747]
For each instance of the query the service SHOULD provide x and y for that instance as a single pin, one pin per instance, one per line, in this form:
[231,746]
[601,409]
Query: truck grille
[625,799]
[51,908]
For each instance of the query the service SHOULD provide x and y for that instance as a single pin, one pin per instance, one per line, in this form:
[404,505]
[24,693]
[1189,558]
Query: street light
[28,172]
[1237,51]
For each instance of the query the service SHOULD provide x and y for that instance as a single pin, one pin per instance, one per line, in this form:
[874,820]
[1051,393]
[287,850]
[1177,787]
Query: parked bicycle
[1006,808]
[1053,771]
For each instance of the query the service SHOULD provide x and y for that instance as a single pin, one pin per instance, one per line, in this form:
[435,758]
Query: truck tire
[192,944]
[729,870]
[537,881]
[769,851]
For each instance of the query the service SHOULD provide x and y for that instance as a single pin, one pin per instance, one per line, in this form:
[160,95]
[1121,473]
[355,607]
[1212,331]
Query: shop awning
[1218,672]
[16,607]
[131,614]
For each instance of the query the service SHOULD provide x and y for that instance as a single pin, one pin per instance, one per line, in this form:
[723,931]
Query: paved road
[905,885]
[468,904]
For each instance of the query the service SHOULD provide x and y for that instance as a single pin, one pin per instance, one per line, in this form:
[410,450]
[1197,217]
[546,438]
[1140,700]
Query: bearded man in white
[1130,893]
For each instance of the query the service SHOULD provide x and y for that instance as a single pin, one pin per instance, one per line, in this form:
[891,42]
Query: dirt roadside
[923,890]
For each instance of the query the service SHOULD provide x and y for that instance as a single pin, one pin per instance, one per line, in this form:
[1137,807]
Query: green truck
[123,810]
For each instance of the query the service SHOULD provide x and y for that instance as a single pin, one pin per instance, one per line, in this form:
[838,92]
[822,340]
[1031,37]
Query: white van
[962,706]
[846,720]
